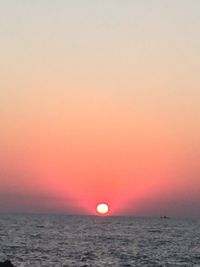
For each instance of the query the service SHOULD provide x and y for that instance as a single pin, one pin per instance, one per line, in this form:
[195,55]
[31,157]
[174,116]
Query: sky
[99,102]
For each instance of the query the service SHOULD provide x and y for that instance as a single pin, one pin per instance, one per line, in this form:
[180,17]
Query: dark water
[99,241]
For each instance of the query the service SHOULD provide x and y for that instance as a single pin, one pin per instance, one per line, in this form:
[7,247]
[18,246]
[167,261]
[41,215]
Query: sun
[102,208]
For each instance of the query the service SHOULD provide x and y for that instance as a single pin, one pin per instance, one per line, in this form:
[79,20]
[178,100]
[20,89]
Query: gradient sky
[100,102]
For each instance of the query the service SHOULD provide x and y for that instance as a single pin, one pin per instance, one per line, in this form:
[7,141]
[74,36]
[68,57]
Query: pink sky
[100,103]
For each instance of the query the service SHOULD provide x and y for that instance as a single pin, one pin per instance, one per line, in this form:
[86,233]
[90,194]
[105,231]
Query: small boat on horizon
[164,217]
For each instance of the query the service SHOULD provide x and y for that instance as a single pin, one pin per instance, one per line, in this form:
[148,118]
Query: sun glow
[102,208]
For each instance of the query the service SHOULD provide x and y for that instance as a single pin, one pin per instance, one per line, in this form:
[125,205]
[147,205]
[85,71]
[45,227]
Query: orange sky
[100,103]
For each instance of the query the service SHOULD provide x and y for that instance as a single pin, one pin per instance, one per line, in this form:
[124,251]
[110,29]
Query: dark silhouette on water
[164,217]
[6,263]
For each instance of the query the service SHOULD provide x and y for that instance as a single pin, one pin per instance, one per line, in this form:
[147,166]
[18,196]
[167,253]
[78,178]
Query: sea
[63,240]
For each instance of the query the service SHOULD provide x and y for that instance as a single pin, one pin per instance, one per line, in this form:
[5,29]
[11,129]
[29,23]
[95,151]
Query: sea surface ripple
[80,241]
